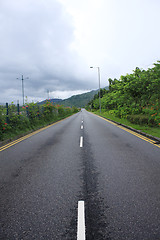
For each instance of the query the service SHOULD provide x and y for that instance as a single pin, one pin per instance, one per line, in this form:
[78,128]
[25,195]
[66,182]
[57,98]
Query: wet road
[84,157]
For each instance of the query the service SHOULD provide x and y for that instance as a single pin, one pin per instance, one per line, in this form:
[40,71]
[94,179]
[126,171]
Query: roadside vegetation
[16,121]
[134,100]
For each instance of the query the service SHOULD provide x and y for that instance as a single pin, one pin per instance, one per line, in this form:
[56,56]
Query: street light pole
[99,87]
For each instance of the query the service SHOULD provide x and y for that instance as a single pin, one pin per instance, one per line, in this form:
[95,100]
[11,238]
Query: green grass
[154,131]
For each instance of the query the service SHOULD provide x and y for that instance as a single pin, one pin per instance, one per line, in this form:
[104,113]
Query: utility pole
[48,93]
[23,88]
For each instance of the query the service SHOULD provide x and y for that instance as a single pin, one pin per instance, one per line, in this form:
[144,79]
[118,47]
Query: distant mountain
[80,100]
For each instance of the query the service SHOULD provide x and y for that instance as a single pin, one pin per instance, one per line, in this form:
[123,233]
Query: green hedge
[30,117]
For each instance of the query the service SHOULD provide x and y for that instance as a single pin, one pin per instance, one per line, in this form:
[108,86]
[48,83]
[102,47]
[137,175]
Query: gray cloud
[54,42]
[36,38]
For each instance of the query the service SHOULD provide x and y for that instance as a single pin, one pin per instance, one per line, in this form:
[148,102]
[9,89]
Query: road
[114,171]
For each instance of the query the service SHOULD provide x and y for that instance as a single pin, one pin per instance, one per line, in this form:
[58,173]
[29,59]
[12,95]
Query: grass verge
[154,131]
[17,133]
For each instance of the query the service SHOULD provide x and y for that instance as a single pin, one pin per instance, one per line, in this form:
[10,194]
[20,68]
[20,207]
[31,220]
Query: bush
[30,117]
[61,111]
[74,109]
[142,120]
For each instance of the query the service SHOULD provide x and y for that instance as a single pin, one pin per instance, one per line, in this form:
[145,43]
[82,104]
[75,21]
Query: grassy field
[154,131]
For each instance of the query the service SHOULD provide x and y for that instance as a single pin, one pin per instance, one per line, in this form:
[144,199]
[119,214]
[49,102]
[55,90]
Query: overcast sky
[54,43]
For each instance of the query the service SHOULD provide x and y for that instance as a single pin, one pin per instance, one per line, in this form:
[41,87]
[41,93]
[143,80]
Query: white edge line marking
[81,221]
[81,141]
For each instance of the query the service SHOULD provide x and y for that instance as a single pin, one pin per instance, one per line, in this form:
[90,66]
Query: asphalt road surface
[114,171]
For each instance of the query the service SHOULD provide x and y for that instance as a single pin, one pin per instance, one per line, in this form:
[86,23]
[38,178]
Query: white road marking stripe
[81,126]
[81,221]
[82,121]
[81,141]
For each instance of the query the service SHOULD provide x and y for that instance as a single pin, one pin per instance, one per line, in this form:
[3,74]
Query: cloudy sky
[54,43]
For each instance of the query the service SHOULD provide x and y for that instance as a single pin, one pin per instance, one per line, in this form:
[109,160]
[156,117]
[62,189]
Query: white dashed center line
[81,126]
[81,141]
[81,221]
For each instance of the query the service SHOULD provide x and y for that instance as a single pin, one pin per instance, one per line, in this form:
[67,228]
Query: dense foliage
[15,120]
[135,96]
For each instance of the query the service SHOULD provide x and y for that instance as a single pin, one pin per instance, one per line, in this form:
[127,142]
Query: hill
[80,100]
